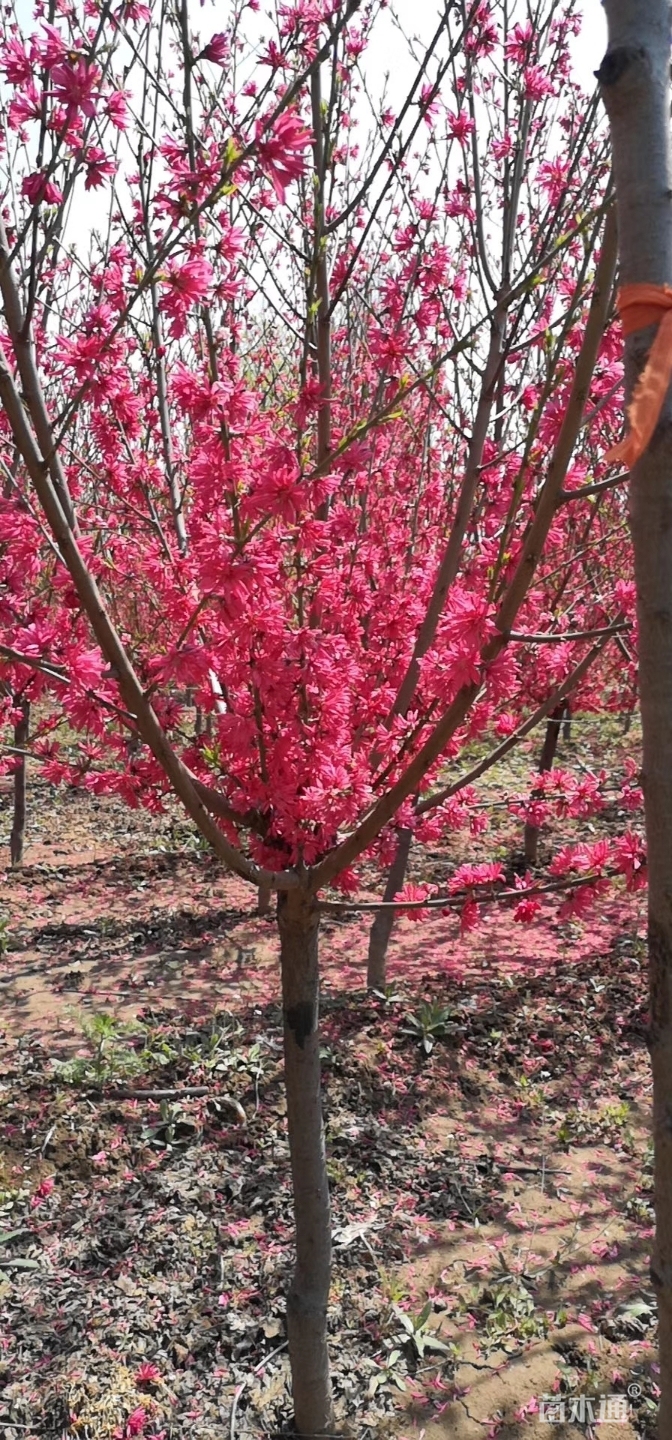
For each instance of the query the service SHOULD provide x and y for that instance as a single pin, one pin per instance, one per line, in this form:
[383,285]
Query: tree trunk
[548,750]
[379,936]
[264,894]
[298,922]
[634,77]
[18,835]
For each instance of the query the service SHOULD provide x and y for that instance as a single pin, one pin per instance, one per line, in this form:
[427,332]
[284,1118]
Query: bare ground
[503,1180]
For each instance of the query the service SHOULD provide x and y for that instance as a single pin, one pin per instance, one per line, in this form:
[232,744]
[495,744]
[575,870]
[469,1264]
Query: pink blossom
[552,180]
[16,65]
[428,104]
[38,187]
[117,109]
[217,49]
[531,1407]
[458,201]
[278,492]
[390,348]
[347,882]
[468,619]
[536,83]
[520,43]
[48,49]
[526,911]
[187,285]
[470,916]
[466,876]
[54,771]
[626,596]
[572,857]
[273,57]
[75,86]
[502,149]
[598,855]
[135,11]
[413,894]
[85,666]
[580,901]
[98,167]
[43,1191]
[481,37]
[135,1424]
[460,125]
[191,280]
[630,859]
[147,1374]
[25,106]
[281,151]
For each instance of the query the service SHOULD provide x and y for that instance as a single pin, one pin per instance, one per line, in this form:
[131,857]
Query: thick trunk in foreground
[18,835]
[298,922]
[634,77]
[548,749]
[379,935]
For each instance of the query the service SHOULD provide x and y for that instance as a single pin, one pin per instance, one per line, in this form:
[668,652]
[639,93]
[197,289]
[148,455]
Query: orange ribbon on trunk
[639,306]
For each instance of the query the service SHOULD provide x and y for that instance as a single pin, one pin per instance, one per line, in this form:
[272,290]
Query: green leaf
[405,1320]
[637,1308]
[440,1345]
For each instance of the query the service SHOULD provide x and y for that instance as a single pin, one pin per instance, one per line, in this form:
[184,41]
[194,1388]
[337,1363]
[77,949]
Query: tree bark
[548,750]
[634,78]
[308,1298]
[18,835]
[379,935]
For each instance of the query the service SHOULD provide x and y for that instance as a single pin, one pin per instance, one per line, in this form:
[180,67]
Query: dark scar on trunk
[301,1021]
[660,978]
[655,1278]
[615,64]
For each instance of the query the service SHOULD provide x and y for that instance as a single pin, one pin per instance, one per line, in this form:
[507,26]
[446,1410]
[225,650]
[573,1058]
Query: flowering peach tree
[302,392]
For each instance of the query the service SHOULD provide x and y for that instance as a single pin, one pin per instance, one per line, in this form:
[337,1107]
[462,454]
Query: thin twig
[33,662]
[188,1092]
[122,1092]
[560,637]
[243,1383]
[473,892]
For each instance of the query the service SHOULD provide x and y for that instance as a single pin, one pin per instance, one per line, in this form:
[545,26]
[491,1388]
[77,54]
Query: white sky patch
[389,67]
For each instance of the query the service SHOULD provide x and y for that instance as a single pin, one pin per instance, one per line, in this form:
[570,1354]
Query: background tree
[510,391]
